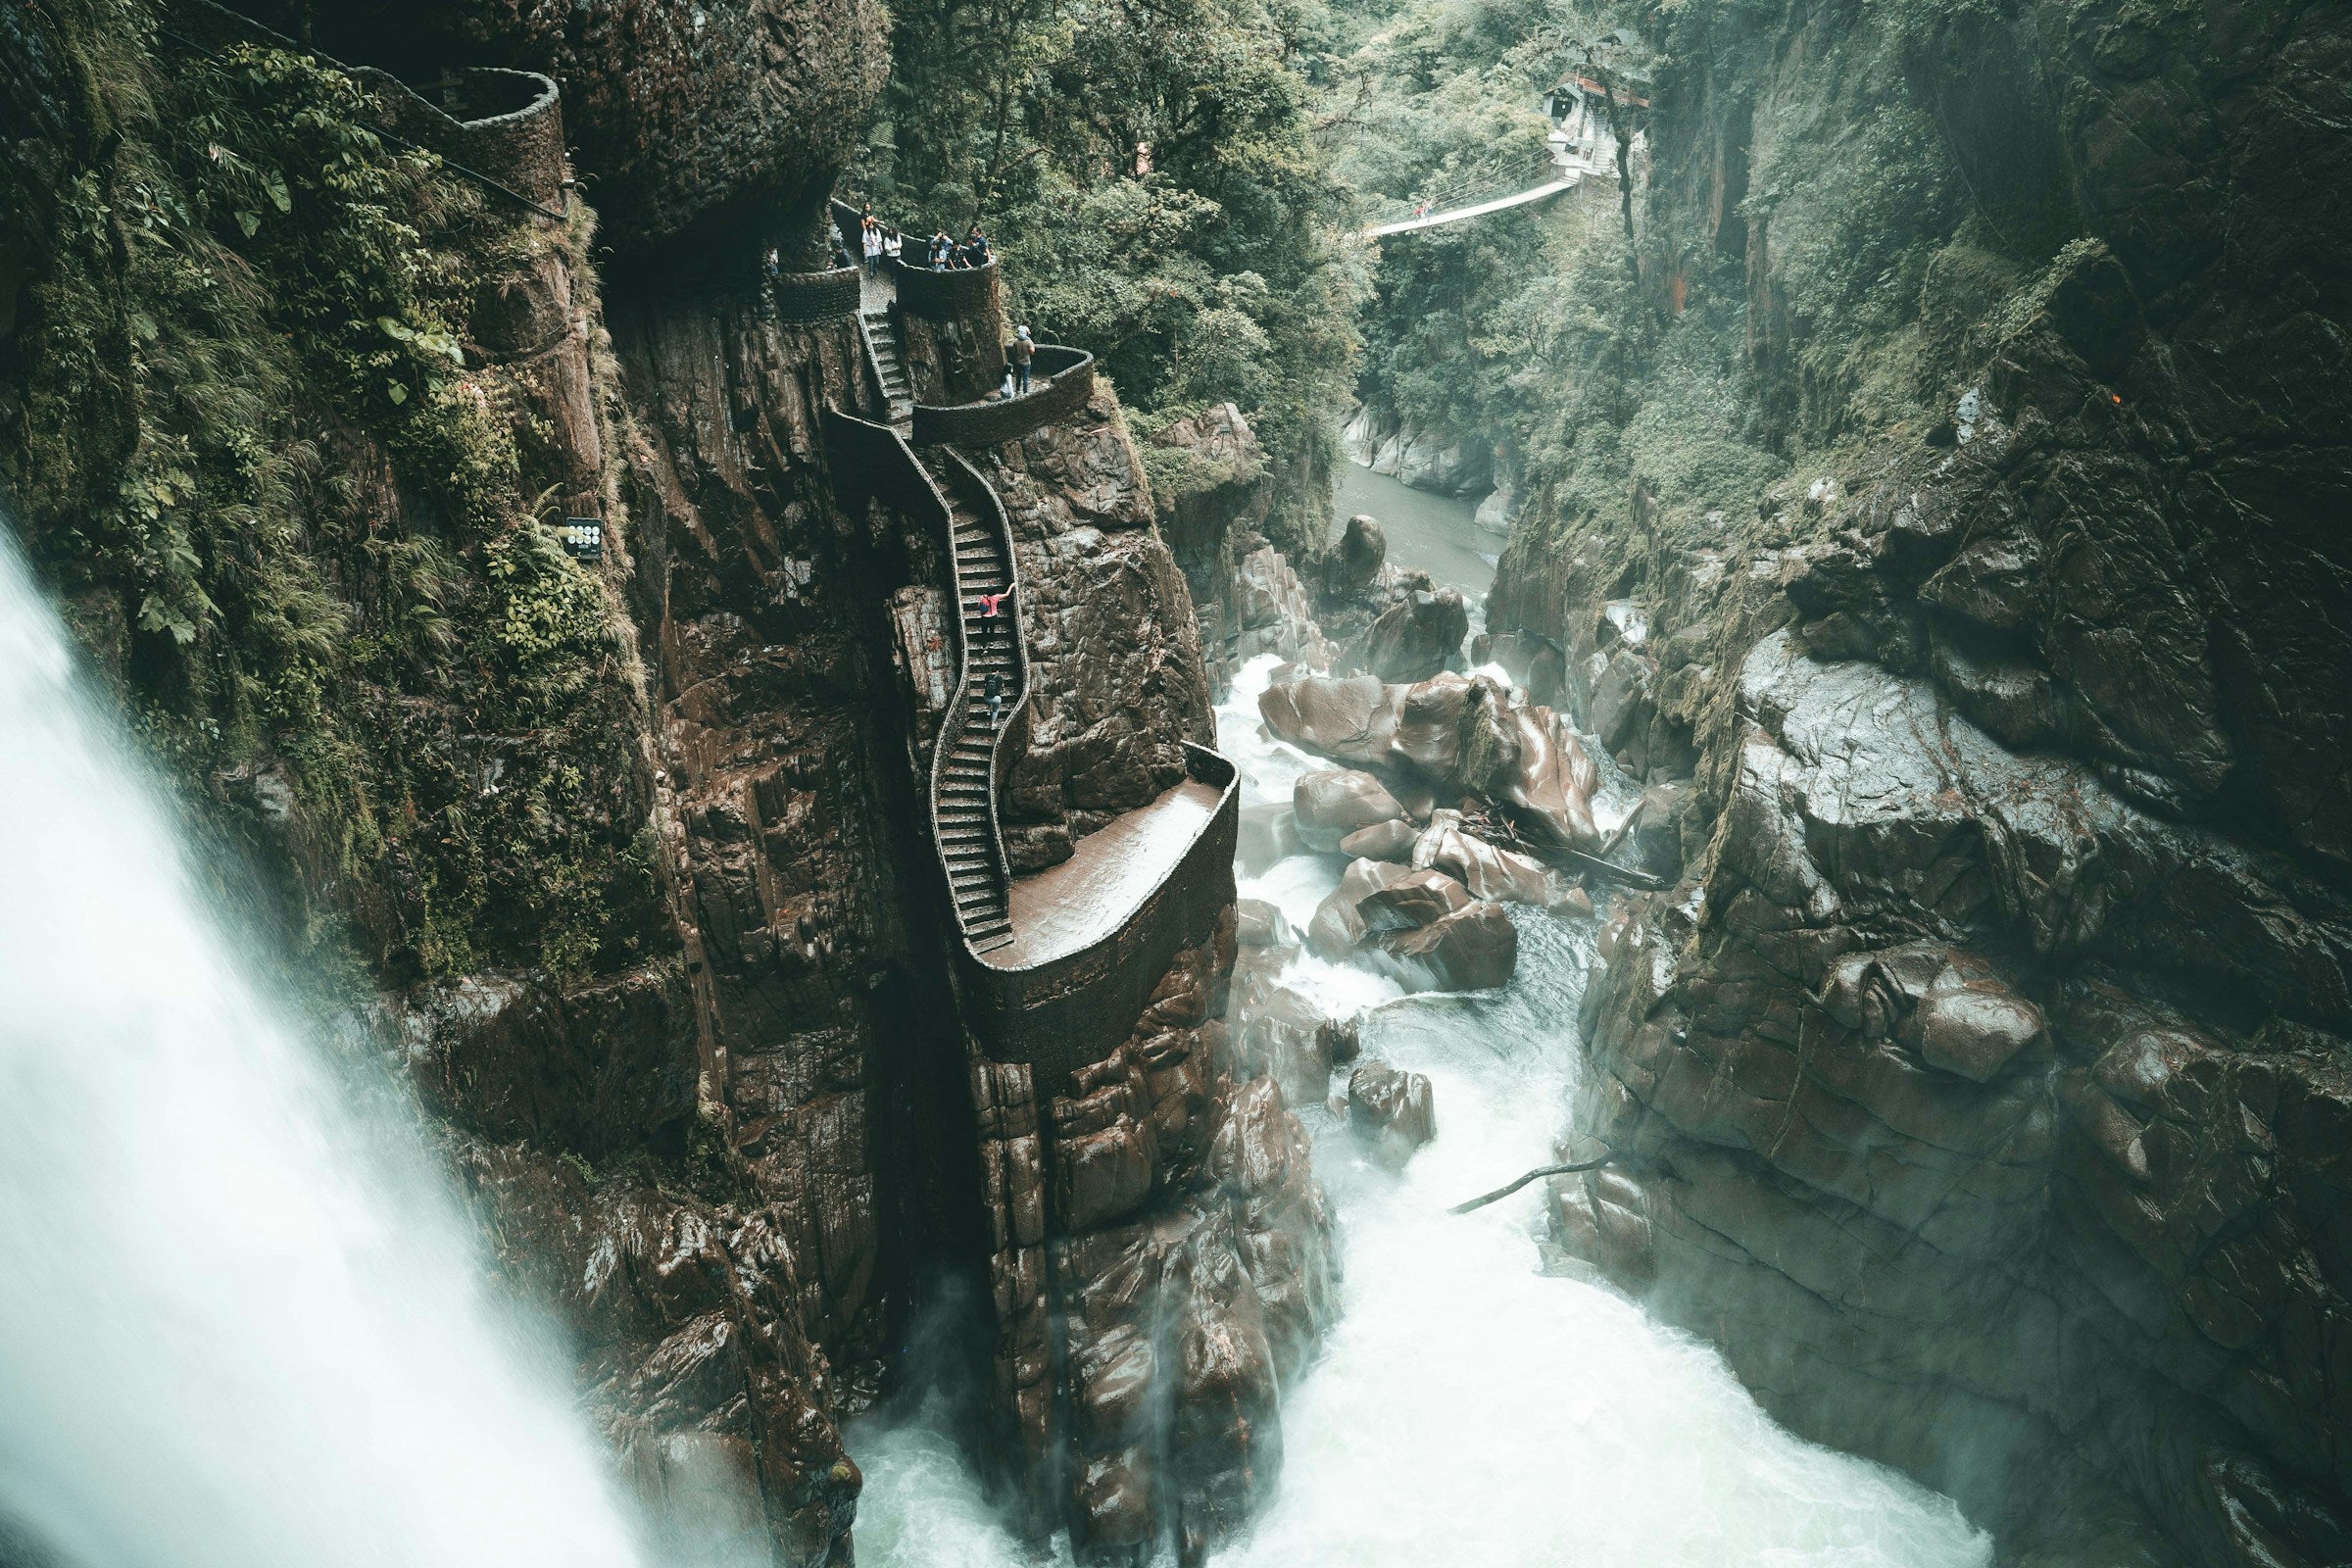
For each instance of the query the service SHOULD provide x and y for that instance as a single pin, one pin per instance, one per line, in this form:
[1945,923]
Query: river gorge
[1515,786]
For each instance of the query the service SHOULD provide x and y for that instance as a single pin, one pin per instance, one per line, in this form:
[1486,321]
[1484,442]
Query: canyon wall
[1978,1087]
[622,858]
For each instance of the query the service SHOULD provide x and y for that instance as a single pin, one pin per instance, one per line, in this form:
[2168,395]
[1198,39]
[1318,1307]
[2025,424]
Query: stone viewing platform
[1107,878]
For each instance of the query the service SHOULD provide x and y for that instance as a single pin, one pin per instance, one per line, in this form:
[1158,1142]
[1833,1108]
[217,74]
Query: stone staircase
[963,778]
[882,336]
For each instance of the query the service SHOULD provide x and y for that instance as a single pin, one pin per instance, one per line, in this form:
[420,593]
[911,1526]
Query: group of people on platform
[877,241]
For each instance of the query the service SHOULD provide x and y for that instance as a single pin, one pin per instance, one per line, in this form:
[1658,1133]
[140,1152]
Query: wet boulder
[1284,1037]
[1333,803]
[1475,947]
[1551,778]
[1260,924]
[1362,550]
[1973,1027]
[1417,637]
[1338,925]
[1383,841]
[1487,870]
[1392,1110]
[1412,900]
[1350,719]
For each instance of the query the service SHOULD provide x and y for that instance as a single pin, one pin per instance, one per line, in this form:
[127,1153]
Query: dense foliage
[244,438]
[1148,171]
[1609,342]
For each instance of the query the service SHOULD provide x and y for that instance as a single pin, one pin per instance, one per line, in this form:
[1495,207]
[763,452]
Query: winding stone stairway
[963,808]
[883,334]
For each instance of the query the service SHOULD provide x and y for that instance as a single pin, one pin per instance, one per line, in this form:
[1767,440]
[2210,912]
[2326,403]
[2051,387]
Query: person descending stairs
[992,689]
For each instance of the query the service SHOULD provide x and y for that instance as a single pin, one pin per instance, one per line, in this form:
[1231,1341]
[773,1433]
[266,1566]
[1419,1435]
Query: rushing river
[1426,532]
[1469,1409]
[241,1326]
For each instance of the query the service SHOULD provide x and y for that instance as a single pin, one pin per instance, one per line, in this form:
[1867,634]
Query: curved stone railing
[506,132]
[992,421]
[1070,1011]
[944,295]
[816,296]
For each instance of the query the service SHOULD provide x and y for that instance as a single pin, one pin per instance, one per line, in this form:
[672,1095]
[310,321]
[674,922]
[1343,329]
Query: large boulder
[1410,901]
[1350,719]
[1338,926]
[1260,924]
[1416,637]
[1362,550]
[1476,948]
[1285,1036]
[1383,841]
[1391,1109]
[1488,870]
[1333,803]
[1450,735]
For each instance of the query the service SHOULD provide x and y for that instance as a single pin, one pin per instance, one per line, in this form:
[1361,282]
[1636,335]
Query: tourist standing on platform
[873,248]
[1022,355]
[943,249]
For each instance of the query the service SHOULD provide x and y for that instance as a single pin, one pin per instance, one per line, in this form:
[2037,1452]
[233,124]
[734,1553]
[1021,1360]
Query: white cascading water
[1469,1409]
[241,1325]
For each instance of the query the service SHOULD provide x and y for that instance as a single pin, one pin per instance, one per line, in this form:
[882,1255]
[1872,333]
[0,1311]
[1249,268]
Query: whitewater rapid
[241,1325]
[1469,1409]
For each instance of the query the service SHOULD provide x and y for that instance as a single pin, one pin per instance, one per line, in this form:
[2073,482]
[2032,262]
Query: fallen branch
[1641,879]
[1536,1174]
[1624,827]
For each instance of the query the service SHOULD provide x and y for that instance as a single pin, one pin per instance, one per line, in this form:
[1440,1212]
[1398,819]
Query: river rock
[1382,841]
[1338,926]
[1284,1036]
[1473,948]
[1495,511]
[1260,924]
[1333,803]
[1429,461]
[1487,870]
[1444,737]
[1412,900]
[1416,637]
[1362,550]
[1391,1109]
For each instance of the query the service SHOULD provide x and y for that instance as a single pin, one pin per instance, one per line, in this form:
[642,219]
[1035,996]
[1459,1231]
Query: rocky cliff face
[1977,1087]
[623,860]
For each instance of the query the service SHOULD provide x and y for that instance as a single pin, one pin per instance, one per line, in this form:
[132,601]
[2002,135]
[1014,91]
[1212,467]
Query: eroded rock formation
[1975,1089]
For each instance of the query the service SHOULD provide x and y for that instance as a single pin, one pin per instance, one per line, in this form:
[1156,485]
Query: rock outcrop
[1976,1088]
[1392,1110]
[620,855]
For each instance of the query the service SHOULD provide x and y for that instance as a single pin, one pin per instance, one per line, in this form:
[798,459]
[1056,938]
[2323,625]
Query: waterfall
[241,1323]
[1468,1408]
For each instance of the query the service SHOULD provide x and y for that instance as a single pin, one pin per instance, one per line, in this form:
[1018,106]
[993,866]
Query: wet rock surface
[1968,1088]
[1392,1110]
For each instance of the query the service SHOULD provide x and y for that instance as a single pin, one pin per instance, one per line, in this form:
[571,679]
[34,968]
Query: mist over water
[241,1325]
[1469,1409]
